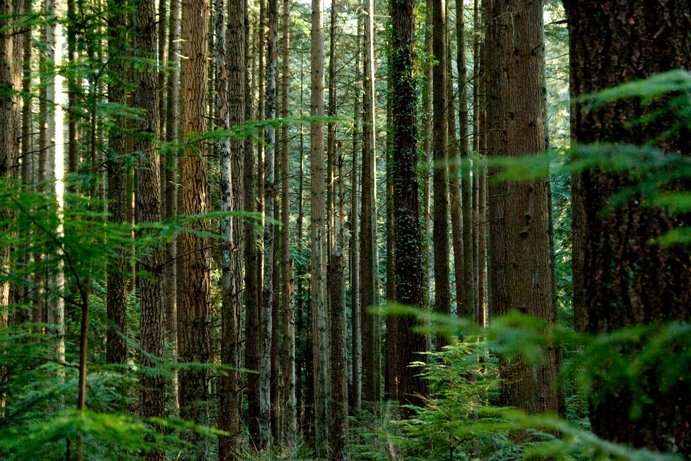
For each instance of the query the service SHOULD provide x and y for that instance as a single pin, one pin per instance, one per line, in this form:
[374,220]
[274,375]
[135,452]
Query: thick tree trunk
[520,257]
[193,277]
[116,295]
[148,206]
[621,279]
[408,240]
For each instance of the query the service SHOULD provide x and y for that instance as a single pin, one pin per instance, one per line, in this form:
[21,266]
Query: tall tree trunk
[116,295]
[371,349]
[251,239]
[170,195]
[354,257]
[339,382]
[408,240]
[520,256]
[268,248]
[148,194]
[466,298]
[289,428]
[10,119]
[193,278]
[317,231]
[621,279]
[455,198]
[231,190]
[442,298]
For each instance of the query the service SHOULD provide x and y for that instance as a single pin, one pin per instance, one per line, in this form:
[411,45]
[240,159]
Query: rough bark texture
[116,295]
[408,239]
[148,203]
[10,107]
[440,231]
[371,361]
[520,257]
[232,53]
[339,385]
[318,237]
[620,278]
[193,278]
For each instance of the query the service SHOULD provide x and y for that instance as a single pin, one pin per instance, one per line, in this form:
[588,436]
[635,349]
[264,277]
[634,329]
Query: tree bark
[116,294]
[317,231]
[408,240]
[621,279]
[148,203]
[230,81]
[193,277]
[354,259]
[520,257]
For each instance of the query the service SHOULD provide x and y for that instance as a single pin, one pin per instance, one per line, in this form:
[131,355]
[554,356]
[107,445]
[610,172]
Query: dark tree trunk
[408,239]
[116,294]
[620,278]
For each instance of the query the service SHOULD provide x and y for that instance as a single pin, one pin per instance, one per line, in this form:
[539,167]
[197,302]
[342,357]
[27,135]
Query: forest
[345,230]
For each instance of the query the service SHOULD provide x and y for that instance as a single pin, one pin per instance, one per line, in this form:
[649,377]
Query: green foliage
[460,422]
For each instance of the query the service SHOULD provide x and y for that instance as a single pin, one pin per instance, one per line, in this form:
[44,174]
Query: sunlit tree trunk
[10,126]
[193,278]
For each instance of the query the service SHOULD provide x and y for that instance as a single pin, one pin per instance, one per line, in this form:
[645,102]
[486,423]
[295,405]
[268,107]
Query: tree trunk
[318,243]
[116,295]
[170,196]
[289,428]
[621,279]
[408,240]
[354,257]
[148,205]
[465,298]
[268,247]
[232,53]
[193,277]
[371,361]
[520,257]
[442,301]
